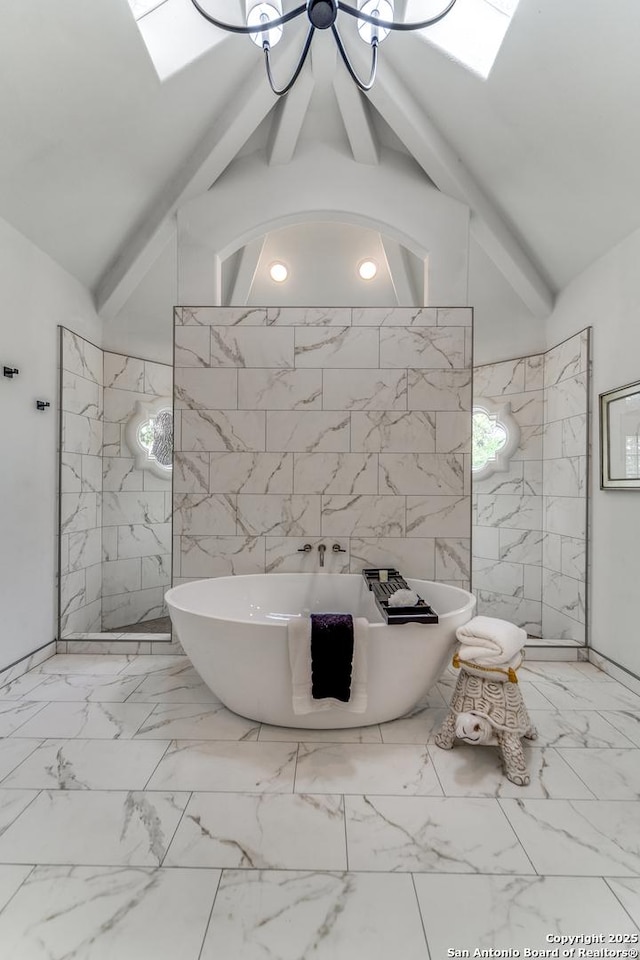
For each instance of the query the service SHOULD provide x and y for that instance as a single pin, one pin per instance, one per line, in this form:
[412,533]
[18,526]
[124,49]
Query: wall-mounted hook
[10,372]
[42,404]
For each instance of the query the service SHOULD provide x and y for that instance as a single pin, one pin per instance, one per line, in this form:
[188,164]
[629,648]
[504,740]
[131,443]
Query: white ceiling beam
[323,55]
[288,119]
[400,274]
[243,281]
[356,116]
[226,135]
[443,165]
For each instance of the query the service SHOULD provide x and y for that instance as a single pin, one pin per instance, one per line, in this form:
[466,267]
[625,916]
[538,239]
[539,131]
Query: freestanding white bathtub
[234,630]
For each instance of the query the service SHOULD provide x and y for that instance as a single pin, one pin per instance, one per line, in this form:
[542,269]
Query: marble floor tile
[21,687]
[93,721]
[12,804]
[324,916]
[10,879]
[13,752]
[561,671]
[609,774]
[14,714]
[420,726]
[588,695]
[626,721]
[159,663]
[576,728]
[104,913]
[177,684]
[369,734]
[87,765]
[110,827]
[585,837]
[375,768]
[276,831]
[197,721]
[432,834]
[513,912]
[470,770]
[627,891]
[87,664]
[79,687]
[226,766]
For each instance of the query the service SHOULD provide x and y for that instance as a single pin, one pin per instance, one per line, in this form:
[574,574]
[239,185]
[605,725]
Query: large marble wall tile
[192,346]
[133,607]
[564,594]
[256,347]
[532,481]
[414,558]
[273,515]
[221,316]
[308,432]
[531,440]
[132,507]
[486,542]
[251,473]
[309,316]
[213,514]
[191,472]
[124,373]
[81,357]
[439,390]
[524,613]
[87,619]
[120,404]
[566,399]
[421,473]
[121,576]
[205,388]
[143,540]
[395,317]
[565,477]
[280,389]
[521,546]
[218,430]
[558,626]
[574,436]
[91,474]
[363,516]
[364,390]
[158,379]
[72,592]
[120,473]
[527,408]
[499,379]
[343,347]
[393,432]
[84,549]
[453,559]
[335,473]
[437,516]
[524,513]
[221,556]
[433,348]
[574,558]
[566,515]
[112,433]
[81,396]
[552,440]
[552,551]
[78,512]
[499,575]
[81,434]
[532,582]
[70,472]
[156,571]
[93,582]
[453,432]
[286,555]
[510,480]
[455,317]
[566,360]
[534,372]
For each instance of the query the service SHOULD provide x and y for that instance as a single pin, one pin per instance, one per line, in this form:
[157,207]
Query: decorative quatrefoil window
[496,436]
[149,435]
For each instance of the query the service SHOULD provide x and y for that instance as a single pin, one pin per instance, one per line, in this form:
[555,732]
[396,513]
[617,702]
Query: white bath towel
[489,641]
[299,639]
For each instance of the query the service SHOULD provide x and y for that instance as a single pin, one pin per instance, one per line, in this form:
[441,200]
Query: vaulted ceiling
[97,153]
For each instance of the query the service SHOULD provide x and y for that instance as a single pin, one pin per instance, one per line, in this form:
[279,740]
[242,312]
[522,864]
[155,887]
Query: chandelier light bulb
[262,13]
[383,10]
[367,269]
[278,272]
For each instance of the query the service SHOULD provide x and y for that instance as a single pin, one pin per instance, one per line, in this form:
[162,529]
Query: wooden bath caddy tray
[383,589]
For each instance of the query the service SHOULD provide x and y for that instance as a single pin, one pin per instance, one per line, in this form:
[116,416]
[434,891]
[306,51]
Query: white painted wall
[37,295]
[607,296]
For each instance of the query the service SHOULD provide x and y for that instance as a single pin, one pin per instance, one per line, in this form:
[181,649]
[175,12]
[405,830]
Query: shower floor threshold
[106,637]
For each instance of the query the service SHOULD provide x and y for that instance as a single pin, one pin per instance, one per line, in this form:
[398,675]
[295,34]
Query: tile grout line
[422,923]
[208,924]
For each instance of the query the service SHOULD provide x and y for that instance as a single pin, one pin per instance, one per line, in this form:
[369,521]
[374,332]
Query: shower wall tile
[123,373]
[121,576]
[81,357]
[524,613]
[133,607]
[158,379]
[495,380]
[566,515]
[499,575]
[324,430]
[510,480]
[567,360]
[81,434]
[142,540]
[84,549]
[132,507]
[486,542]
[565,399]
[521,546]
[534,372]
[523,513]
[71,472]
[81,396]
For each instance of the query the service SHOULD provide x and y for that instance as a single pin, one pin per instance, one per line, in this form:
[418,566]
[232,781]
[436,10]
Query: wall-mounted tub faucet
[337,548]
[321,550]
[306,549]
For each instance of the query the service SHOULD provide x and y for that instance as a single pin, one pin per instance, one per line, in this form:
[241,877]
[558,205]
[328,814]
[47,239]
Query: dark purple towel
[331,655]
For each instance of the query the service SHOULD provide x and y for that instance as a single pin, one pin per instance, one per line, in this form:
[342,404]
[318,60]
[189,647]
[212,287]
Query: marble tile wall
[81,411]
[136,505]
[529,534]
[343,426]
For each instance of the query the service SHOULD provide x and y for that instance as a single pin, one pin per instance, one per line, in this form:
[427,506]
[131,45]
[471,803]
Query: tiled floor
[140,820]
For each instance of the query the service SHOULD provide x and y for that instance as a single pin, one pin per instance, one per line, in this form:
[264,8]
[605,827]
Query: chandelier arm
[392,25]
[361,84]
[296,73]
[258,28]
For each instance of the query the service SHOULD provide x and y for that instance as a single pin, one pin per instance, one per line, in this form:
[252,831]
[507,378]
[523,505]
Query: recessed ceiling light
[367,269]
[278,272]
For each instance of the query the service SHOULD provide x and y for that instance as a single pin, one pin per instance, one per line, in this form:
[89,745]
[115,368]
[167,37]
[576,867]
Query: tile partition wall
[529,535]
[297,425]
[115,530]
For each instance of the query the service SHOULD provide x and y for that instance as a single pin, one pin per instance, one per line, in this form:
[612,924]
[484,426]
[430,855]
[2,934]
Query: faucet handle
[306,549]
[337,548]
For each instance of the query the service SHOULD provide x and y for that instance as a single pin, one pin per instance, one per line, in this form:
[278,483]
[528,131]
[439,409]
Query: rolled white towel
[473,728]
[489,641]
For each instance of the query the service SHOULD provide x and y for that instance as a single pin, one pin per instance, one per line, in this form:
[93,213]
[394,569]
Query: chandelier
[375,21]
